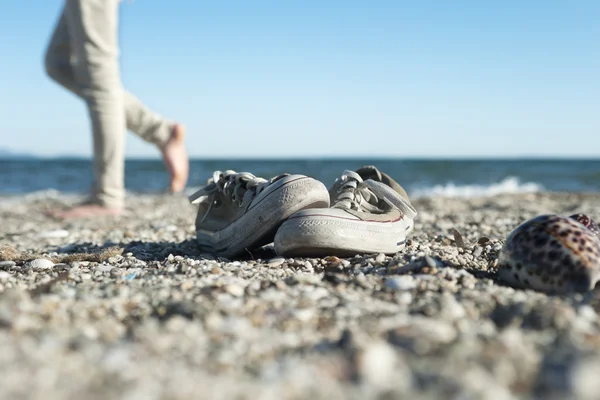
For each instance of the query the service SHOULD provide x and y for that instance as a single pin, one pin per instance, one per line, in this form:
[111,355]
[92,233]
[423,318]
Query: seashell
[552,253]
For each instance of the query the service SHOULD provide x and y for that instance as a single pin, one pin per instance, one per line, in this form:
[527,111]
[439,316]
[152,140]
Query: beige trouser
[83,56]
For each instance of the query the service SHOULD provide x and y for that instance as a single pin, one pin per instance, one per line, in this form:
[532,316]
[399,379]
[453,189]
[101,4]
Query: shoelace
[359,195]
[231,184]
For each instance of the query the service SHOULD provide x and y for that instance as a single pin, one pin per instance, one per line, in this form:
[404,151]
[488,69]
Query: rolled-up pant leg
[83,56]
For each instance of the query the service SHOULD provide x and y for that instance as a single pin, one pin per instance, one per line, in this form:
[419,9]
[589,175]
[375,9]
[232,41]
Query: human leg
[168,136]
[93,36]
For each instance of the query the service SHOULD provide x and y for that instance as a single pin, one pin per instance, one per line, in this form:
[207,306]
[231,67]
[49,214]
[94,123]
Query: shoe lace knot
[240,187]
[354,193]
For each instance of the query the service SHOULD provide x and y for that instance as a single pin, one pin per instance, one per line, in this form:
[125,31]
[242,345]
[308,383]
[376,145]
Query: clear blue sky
[340,78]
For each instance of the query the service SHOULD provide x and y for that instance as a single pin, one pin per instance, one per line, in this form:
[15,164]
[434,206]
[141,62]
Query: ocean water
[420,177]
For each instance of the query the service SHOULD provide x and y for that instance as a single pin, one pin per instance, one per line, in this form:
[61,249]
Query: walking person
[83,57]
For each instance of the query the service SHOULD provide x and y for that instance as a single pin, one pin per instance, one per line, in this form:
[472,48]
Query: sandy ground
[131,310]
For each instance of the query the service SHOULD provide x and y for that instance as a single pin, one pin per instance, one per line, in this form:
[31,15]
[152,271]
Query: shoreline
[152,318]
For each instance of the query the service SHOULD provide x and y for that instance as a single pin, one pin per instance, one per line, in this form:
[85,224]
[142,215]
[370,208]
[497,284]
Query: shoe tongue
[371,172]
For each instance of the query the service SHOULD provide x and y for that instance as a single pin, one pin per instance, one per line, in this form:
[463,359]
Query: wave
[510,184]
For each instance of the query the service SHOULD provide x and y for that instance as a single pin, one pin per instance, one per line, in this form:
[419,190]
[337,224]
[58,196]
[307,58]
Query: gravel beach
[127,308]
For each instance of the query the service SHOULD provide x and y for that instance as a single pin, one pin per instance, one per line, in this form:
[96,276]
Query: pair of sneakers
[365,211]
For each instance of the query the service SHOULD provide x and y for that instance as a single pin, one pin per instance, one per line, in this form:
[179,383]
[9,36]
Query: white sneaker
[239,211]
[370,213]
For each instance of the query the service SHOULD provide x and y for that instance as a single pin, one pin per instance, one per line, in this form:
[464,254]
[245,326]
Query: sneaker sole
[258,225]
[323,235]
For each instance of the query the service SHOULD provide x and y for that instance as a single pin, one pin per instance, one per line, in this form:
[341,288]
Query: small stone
[400,283]
[452,309]
[7,264]
[187,285]
[333,260]
[587,313]
[404,298]
[310,279]
[304,315]
[53,234]
[235,290]
[483,240]
[116,272]
[103,268]
[62,267]
[308,267]
[4,275]
[275,262]
[113,260]
[428,270]
[380,258]
[584,378]
[377,365]
[41,263]
[430,261]
[477,252]
[363,282]
[280,285]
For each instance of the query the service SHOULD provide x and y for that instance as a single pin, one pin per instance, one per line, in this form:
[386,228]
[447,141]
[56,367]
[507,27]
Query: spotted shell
[587,222]
[552,253]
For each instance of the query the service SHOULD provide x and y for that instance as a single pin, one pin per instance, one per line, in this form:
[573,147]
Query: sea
[421,177]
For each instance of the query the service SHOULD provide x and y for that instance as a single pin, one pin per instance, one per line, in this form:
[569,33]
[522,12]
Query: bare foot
[176,159]
[86,211]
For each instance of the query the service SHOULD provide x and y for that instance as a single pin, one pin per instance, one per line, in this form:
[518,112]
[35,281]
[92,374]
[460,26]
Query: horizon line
[25,157]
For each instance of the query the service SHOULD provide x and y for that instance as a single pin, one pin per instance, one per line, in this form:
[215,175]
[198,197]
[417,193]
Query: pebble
[40,264]
[430,261]
[235,290]
[7,264]
[103,268]
[399,283]
[275,262]
[187,285]
[116,272]
[284,328]
[377,365]
[53,234]
[61,267]
[306,278]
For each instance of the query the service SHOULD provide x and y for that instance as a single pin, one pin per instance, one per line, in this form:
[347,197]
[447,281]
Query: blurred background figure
[83,57]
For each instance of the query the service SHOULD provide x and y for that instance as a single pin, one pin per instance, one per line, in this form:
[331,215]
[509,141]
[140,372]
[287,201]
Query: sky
[333,78]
